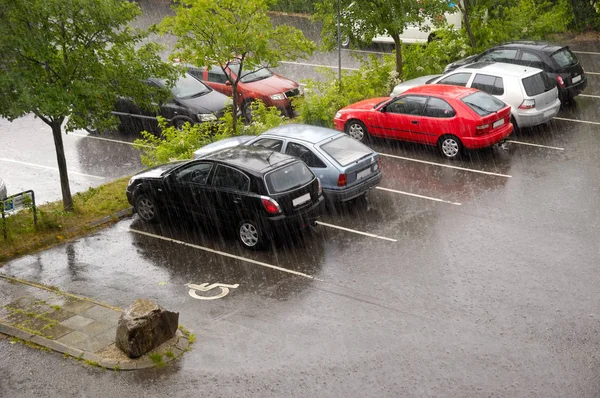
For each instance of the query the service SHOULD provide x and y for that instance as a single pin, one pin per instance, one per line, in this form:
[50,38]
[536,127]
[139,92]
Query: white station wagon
[533,97]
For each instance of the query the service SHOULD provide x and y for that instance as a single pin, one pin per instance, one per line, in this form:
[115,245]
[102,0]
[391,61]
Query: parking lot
[475,277]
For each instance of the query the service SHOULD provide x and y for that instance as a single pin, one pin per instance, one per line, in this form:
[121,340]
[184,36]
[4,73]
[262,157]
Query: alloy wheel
[145,208]
[356,131]
[248,234]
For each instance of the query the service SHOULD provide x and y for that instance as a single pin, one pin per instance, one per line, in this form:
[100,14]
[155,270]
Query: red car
[263,84]
[450,117]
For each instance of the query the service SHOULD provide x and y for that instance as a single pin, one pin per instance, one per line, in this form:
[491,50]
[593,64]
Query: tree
[364,20]
[220,32]
[69,60]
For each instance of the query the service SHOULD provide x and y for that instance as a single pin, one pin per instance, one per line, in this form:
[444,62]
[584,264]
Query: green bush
[294,6]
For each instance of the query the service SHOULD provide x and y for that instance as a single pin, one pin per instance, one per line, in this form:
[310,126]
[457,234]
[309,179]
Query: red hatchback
[450,117]
[271,88]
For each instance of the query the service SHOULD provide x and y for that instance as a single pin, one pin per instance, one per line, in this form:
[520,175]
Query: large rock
[144,326]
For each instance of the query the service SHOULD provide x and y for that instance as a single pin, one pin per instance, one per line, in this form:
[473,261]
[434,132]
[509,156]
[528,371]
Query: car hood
[213,102]
[222,144]
[367,104]
[157,171]
[460,62]
[419,81]
[272,85]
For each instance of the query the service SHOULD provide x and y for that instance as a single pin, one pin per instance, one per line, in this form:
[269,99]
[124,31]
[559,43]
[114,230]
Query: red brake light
[482,129]
[560,81]
[528,104]
[270,205]
[342,180]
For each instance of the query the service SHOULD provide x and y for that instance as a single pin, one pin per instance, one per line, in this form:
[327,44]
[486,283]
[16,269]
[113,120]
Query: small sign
[205,287]
[17,202]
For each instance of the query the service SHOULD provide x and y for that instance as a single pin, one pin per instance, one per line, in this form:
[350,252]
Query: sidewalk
[73,325]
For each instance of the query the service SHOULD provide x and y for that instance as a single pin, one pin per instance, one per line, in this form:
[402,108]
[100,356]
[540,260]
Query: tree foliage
[218,32]
[70,60]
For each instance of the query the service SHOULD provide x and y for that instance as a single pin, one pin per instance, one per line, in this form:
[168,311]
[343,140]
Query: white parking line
[576,120]
[446,165]
[314,65]
[537,145]
[48,168]
[590,96]
[585,52]
[592,73]
[355,231]
[419,196]
[224,254]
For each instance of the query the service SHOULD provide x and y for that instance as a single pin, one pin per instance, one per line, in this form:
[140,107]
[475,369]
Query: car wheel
[146,208]
[450,146]
[178,123]
[250,235]
[516,128]
[247,111]
[345,41]
[357,130]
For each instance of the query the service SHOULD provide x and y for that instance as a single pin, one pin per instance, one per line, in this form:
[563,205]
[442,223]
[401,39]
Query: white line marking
[446,165]
[356,232]
[105,139]
[49,168]
[224,254]
[575,120]
[364,51]
[590,96]
[593,73]
[585,52]
[314,65]
[419,196]
[538,145]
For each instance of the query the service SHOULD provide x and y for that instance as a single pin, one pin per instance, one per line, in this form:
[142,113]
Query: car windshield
[482,103]
[537,84]
[252,76]
[187,86]
[346,150]
[564,57]
[289,177]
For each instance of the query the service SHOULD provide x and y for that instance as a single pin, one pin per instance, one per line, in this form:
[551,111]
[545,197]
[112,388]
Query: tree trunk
[235,106]
[465,11]
[62,165]
[398,45]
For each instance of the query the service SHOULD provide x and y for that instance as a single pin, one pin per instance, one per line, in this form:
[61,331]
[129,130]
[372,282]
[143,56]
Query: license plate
[301,199]
[576,79]
[363,174]
[498,123]
[549,113]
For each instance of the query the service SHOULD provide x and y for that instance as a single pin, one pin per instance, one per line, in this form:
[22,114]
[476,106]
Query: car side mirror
[227,83]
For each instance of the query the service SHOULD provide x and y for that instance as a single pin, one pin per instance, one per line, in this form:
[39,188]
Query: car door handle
[237,199]
[414,121]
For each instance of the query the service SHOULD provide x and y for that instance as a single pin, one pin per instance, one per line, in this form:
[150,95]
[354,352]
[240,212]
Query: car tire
[345,41]
[250,235]
[516,128]
[179,122]
[450,146]
[357,130]
[147,208]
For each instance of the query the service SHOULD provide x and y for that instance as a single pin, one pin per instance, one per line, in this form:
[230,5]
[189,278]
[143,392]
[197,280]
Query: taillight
[560,81]
[528,104]
[482,129]
[342,180]
[378,166]
[320,189]
[270,205]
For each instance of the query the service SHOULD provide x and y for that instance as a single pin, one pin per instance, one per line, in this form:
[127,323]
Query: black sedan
[259,192]
[559,63]
[192,102]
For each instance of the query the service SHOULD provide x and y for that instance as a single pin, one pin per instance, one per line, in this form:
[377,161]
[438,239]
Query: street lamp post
[339,46]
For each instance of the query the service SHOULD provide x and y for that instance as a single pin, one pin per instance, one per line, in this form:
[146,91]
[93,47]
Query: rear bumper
[569,92]
[488,139]
[343,195]
[303,219]
[529,119]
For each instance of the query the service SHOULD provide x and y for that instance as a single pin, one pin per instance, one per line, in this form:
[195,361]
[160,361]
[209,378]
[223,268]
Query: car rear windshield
[188,86]
[289,177]
[346,150]
[564,57]
[482,103]
[537,84]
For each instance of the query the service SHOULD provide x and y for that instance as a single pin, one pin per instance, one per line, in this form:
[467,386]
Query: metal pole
[339,45]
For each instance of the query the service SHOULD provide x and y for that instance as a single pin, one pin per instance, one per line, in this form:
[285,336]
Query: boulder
[144,326]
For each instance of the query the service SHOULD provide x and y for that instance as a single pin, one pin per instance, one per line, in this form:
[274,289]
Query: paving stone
[83,341]
[102,314]
[56,331]
[39,308]
[36,324]
[60,315]
[17,318]
[76,322]
[22,303]
[14,332]
[95,328]
[109,334]
[78,306]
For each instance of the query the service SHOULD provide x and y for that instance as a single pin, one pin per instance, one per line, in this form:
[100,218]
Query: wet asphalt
[482,279]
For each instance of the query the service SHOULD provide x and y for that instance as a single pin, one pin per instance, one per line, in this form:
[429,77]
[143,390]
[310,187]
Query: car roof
[255,160]
[303,132]
[543,46]
[441,90]
[499,68]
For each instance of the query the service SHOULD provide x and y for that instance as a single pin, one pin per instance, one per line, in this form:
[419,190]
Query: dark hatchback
[192,102]
[559,63]
[258,192]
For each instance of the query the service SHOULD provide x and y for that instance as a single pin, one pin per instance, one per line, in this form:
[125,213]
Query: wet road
[480,280]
